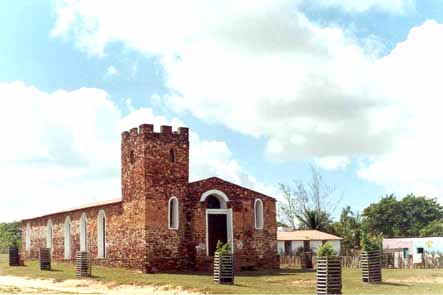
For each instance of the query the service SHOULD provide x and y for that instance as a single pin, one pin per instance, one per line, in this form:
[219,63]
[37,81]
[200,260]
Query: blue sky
[267,87]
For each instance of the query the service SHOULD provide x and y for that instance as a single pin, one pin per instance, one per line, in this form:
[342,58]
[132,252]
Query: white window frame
[176,215]
[259,218]
[49,235]
[84,233]
[67,237]
[28,237]
[101,234]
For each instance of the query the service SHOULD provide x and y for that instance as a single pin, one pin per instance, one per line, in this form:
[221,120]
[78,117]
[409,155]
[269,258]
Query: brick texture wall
[155,167]
[253,248]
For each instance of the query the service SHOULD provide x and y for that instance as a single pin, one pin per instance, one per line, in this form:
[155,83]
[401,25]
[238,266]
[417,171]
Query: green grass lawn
[286,280]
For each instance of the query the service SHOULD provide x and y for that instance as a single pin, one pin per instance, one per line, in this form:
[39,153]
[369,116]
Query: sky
[267,87]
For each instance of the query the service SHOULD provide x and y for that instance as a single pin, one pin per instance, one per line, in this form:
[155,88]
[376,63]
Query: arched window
[67,237]
[28,238]
[101,234]
[172,155]
[49,234]
[83,233]
[258,210]
[173,213]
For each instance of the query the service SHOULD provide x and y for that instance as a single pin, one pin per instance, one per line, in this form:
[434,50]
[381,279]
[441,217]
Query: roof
[231,183]
[87,206]
[305,235]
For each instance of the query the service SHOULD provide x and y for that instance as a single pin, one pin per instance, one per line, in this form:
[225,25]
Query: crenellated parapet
[166,132]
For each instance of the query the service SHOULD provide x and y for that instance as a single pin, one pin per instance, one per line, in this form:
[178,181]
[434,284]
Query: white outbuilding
[291,242]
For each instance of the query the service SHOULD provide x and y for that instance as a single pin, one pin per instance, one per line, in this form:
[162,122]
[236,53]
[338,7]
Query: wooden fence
[294,261]
[388,261]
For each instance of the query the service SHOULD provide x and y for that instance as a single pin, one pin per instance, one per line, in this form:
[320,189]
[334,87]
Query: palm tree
[314,219]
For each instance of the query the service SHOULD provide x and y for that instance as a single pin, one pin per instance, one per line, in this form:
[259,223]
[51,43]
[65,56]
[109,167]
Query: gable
[234,191]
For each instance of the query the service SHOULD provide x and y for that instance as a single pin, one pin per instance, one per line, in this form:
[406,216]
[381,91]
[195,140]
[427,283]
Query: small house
[415,248]
[291,242]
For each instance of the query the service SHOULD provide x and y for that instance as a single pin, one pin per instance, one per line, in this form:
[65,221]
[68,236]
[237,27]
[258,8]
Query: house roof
[305,235]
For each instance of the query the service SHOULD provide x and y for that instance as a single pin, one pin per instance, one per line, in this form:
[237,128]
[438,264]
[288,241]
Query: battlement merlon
[182,133]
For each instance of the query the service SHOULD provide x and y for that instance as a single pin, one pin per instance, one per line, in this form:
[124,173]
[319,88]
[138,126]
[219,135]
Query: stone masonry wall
[159,178]
[166,178]
[253,248]
[118,243]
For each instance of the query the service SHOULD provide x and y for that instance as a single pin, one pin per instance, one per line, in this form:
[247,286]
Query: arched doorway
[218,220]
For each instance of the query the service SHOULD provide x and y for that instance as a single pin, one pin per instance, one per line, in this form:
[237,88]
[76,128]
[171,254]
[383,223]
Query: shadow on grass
[276,272]
[393,284]
[50,270]
[248,273]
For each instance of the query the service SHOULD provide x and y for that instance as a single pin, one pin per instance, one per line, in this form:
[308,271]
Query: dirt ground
[20,285]
[416,280]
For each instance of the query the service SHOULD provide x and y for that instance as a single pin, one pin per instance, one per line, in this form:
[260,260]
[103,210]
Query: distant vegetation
[10,235]
[310,205]
[407,217]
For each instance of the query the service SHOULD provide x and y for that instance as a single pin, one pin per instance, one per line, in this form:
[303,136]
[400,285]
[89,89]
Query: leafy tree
[313,219]
[10,235]
[404,218]
[348,227]
[418,212]
[308,204]
[383,216]
[434,229]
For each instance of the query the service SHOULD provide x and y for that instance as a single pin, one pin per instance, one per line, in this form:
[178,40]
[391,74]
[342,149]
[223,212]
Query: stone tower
[155,168]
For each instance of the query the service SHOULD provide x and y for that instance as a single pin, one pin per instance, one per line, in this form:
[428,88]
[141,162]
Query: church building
[162,222]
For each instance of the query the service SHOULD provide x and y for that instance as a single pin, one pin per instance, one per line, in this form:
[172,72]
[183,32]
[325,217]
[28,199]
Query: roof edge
[87,206]
[237,185]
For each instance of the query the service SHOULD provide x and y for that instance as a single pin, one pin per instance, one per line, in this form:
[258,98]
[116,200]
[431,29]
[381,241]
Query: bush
[10,235]
[326,250]
[368,243]
[223,248]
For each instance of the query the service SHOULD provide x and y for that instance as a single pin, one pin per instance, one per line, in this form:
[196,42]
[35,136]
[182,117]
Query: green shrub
[10,235]
[223,248]
[326,250]
[434,229]
[369,243]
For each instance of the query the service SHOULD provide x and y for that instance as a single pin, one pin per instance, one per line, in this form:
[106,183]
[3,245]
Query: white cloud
[111,71]
[265,70]
[410,75]
[332,163]
[62,149]
[305,87]
[391,6]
